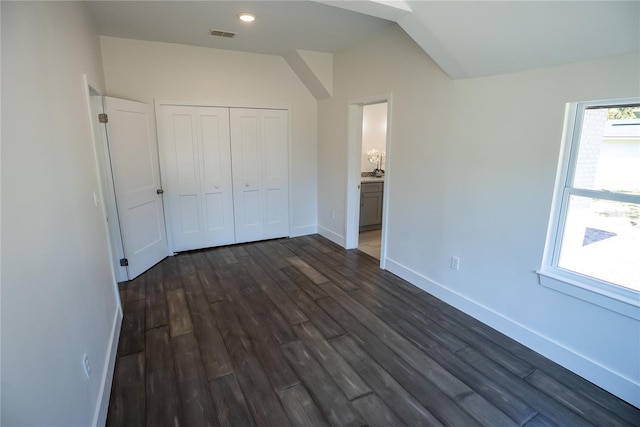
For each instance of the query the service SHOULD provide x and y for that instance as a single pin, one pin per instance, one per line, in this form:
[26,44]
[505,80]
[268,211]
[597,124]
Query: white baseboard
[304,230]
[102,404]
[625,388]
[334,237]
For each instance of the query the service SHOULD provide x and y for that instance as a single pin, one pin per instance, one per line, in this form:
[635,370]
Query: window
[593,243]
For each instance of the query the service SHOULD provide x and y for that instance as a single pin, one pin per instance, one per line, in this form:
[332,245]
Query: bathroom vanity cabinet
[371,205]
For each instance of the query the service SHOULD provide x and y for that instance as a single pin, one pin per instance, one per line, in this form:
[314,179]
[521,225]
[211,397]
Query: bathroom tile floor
[369,242]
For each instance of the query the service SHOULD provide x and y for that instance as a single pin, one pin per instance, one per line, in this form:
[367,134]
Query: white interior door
[134,161]
[197,169]
[259,153]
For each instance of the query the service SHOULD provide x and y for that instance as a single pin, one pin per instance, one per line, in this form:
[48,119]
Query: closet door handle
[159,191]
[217,186]
[247,185]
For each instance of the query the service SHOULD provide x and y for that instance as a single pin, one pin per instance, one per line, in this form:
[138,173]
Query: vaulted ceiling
[466,38]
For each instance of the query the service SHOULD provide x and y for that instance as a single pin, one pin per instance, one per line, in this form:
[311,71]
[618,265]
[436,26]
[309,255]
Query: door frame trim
[106,192]
[354,149]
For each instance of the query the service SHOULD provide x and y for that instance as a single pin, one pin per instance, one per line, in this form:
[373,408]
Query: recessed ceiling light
[247,17]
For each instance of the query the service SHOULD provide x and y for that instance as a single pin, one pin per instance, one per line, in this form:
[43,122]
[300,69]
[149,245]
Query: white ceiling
[280,27]
[479,38]
[466,38]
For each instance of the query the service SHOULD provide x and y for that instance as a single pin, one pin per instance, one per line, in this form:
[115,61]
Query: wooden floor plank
[304,283]
[242,292]
[455,333]
[342,373]
[197,406]
[238,335]
[274,293]
[127,405]
[261,398]
[136,288]
[428,342]
[210,284]
[156,309]
[163,404]
[486,414]
[278,247]
[301,408]
[388,307]
[263,342]
[482,384]
[385,386]
[329,398]
[327,271]
[317,244]
[540,421]
[594,413]
[554,410]
[133,326]
[322,257]
[185,265]
[375,412]
[213,352]
[179,315]
[314,275]
[419,361]
[325,324]
[200,260]
[267,253]
[230,403]
[431,397]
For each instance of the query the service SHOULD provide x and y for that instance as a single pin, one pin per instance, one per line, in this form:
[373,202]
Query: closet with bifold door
[225,174]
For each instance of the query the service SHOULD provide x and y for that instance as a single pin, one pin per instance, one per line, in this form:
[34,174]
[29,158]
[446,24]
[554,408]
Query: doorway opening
[372,170]
[368,175]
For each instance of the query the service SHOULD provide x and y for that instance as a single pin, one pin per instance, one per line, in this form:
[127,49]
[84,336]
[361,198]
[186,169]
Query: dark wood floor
[302,332]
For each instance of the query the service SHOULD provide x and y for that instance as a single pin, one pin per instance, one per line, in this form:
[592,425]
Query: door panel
[134,161]
[275,182]
[217,188]
[182,186]
[259,153]
[195,144]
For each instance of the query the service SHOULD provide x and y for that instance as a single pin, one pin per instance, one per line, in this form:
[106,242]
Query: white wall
[374,133]
[472,166]
[147,71]
[58,297]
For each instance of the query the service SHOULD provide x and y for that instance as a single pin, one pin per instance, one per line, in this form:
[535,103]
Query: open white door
[133,149]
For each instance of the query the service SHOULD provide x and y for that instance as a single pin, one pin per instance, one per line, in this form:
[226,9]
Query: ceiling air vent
[219,33]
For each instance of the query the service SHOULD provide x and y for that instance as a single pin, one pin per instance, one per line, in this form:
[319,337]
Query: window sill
[611,297]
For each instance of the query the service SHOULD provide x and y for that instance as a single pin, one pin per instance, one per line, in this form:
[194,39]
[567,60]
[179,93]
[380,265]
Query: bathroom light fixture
[247,17]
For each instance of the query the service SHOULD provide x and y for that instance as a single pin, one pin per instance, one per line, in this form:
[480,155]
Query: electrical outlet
[455,263]
[86,366]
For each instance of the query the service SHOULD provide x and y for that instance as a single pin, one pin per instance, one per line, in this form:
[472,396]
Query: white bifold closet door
[259,154]
[196,146]
[226,174]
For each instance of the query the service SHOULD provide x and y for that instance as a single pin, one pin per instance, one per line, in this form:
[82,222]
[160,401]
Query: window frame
[605,294]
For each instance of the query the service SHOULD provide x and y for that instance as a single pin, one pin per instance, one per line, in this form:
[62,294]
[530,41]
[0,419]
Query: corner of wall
[102,403]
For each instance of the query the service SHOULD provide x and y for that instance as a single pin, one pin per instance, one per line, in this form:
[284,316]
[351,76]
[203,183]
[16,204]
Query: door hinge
[124,262]
[103,118]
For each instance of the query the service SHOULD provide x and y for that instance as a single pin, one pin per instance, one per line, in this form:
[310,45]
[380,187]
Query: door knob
[247,185]
[159,191]
[217,186]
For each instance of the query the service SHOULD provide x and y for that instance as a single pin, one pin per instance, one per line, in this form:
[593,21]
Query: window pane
[602,240]
[609,153]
